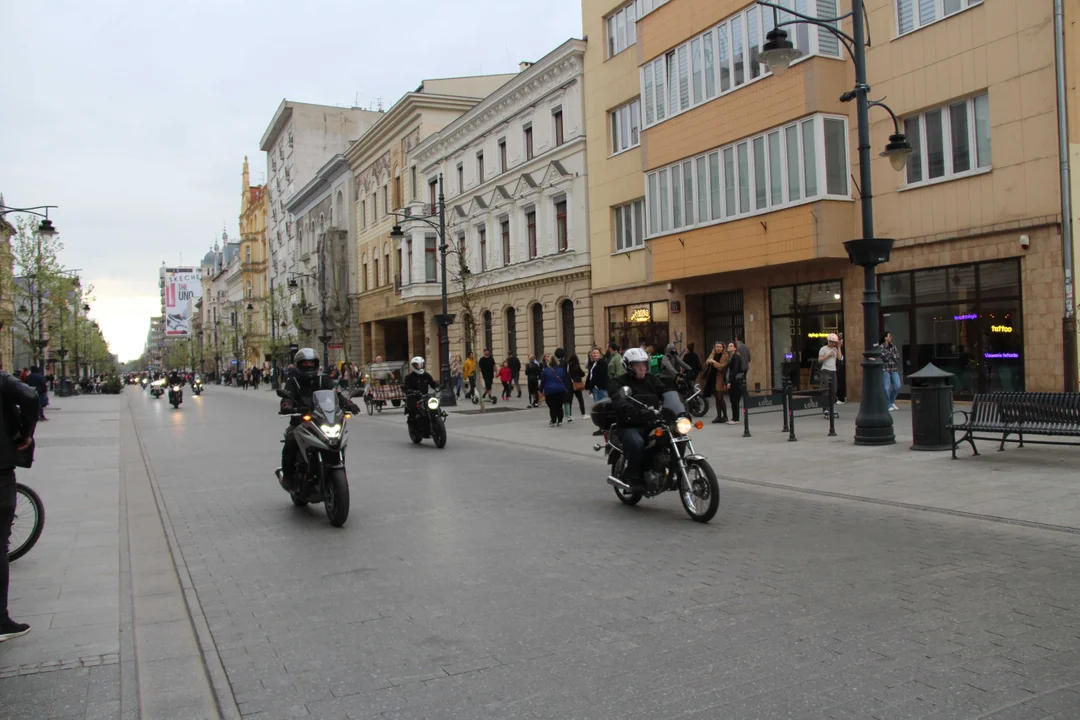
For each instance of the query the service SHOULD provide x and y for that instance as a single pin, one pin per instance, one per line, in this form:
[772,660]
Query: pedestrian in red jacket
[505,377]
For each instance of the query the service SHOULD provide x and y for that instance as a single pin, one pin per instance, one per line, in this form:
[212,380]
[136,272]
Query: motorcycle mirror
[626,391]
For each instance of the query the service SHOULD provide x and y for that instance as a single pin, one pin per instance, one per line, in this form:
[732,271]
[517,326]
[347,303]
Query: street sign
[336,346]
[805,403]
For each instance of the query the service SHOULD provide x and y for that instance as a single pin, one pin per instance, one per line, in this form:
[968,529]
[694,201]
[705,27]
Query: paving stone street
[501,578]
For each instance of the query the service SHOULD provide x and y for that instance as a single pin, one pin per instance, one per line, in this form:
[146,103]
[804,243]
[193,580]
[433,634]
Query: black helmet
[306,361]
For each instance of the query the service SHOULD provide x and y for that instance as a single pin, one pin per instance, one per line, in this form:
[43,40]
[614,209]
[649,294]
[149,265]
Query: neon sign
[817,336]
[641,315]
[968,316]
[1002,356]
[1000,329]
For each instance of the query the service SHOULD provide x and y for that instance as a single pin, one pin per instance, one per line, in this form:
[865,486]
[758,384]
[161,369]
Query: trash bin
[65,387]
[931,408]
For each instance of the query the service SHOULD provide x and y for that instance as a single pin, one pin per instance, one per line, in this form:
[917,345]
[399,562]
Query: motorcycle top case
[603,414]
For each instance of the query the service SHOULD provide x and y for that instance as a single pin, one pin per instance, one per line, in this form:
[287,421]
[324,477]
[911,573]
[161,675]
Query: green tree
[38,277]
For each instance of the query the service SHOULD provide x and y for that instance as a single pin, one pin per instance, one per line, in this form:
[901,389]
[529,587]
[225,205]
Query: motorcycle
[670,461]
[176,396]
[197,388]
[696,403]
[157,388]
[321,436]
[429,421]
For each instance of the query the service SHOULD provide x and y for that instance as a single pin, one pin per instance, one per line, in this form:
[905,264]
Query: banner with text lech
[182,288]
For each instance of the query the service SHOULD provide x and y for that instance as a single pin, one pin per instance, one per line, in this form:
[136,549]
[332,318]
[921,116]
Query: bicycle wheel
[28,523]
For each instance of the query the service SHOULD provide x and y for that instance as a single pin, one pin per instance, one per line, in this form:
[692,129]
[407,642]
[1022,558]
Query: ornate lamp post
[873,425]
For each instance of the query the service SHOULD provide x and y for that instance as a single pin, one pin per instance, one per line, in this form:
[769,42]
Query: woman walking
[532,379]
[736,376]
[716,380]
[555,383]
[577,388]
[456,374]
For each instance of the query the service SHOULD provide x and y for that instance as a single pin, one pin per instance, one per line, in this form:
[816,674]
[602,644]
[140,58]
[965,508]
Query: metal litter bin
[931,408]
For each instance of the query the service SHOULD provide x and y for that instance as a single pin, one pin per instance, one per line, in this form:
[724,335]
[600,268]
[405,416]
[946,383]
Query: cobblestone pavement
[506,582]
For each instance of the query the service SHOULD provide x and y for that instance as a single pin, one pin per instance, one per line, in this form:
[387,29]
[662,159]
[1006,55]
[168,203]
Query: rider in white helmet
[631,418]
[416,383]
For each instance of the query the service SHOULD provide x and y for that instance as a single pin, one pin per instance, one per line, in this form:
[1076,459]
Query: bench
[1019,414]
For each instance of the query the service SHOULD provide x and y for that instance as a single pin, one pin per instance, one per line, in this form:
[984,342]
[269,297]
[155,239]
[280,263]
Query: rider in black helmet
[304,380]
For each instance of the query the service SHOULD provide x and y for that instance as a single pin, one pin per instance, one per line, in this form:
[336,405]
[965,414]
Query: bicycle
[28,523]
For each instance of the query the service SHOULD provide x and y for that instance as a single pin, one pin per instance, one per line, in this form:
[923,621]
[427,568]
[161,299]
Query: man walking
[37,381]
[18,420]
[487,371]
[828,356]
[515,372]
[614,360]
[890,356]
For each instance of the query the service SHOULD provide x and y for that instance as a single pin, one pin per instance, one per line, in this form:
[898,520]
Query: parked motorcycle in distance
[321,437]
[670,461]
[429,419]
[176,396]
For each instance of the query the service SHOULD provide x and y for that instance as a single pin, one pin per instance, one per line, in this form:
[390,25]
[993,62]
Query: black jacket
[419,383]
[487,367]
[597,377]
[648,390]
[514,364]
[21,407]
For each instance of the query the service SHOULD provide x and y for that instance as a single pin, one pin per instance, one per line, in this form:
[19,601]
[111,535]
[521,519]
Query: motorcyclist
[633,419]
[416,383]
[672,366]
[302,382]
[175,378]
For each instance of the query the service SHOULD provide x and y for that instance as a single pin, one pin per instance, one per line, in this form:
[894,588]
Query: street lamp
[873,425]
[444,319]
[325,337]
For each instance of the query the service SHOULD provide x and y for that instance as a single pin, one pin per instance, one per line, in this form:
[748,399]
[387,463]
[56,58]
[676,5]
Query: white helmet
[417,364]
[635,355]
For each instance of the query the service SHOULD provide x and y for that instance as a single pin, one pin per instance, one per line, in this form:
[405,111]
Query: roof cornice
[281,118]
[322,180]
[397,120]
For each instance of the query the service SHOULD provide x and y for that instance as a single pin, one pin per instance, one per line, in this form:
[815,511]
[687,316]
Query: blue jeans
[633,442]
[598,394]
[892,386]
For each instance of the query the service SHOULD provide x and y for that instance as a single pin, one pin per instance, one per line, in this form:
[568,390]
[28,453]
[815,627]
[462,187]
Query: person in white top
[827,356]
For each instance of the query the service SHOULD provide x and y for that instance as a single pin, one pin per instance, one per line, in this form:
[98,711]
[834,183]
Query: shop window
[632,325]
[802,316]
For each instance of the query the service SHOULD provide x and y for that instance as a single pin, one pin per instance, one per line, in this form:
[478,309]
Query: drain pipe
[1069,321]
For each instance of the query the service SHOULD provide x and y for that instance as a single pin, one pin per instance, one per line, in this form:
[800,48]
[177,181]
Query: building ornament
[371,174]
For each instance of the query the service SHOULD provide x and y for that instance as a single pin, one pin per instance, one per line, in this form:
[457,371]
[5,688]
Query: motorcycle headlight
[176,388]
[683,425]
[433,403]
[331,431]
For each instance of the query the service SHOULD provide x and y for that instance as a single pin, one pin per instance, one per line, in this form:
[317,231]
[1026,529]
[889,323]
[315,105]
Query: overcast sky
[134,117]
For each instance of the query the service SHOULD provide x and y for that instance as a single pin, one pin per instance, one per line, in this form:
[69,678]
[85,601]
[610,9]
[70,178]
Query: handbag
[25,458]
[579,386]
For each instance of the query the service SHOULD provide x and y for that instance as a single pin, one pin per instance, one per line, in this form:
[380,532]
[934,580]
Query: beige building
[253,267]
[516,196]
[746,182]
[387,324]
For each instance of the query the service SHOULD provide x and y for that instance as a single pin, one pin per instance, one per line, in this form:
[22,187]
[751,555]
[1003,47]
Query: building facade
[387,324]
[300,139]
[253,265]
[745,182]
[513,170]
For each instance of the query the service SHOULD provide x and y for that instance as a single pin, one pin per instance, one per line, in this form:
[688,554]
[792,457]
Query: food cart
[382,383]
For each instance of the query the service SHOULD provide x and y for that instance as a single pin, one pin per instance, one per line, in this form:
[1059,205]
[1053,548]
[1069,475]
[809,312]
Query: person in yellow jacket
[470,374]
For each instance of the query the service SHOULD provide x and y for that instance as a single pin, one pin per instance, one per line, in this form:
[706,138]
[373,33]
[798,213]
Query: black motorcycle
[197,387]
[176,395]
[670,461]
[428,420]
[321,436]
[696,402]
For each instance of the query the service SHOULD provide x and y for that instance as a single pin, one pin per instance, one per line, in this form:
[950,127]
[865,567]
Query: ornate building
[253,268]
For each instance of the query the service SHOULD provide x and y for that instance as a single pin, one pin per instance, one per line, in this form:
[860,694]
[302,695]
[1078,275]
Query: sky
[134,117]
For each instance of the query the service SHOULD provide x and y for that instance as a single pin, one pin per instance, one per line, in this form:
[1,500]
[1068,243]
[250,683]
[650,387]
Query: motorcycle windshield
[672,405]
[325,403]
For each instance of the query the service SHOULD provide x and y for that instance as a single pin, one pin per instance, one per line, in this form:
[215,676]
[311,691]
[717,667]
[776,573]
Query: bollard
[786,386]
[832,418]
[745,412]
[791,417]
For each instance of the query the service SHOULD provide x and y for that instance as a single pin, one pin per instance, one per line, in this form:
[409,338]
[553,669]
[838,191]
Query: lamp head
[46,228]
[898,150]
[778,52]
[396,232]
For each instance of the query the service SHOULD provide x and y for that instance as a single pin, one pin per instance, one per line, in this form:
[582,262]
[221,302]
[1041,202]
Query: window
[389,267]
[625,127]
[407,275]
[502,155]
[504,230]
[363,213]
[621,30]
[376,272]
[364,279]
[629,226]
[429,257]
[949,142]
[556,116]
[530,231]
[727,56]
[914,14]
[386,198]
[562,238]
[528,141]
[412,183]
[800,162]
[481,234]
[433,194]
[460,178]
[480,167]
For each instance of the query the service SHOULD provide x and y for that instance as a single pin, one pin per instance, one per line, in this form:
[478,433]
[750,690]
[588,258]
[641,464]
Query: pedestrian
[828,356]
[716,385]
[506,378]
[744,353]
[577,388]
[556,385]
[672,366]
[532,379]
[456,374]
[596,380]
[486,365]
[37,381]
[693,361]
[515,371]
[18,420]
[470,374]
[736,379]
[614,360]
[890,357]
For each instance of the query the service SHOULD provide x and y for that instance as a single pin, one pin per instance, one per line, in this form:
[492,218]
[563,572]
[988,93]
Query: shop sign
[968,316]
[336,346]
[1000,329]
[641,315]
[817,336]
[676,306]
[1002,356]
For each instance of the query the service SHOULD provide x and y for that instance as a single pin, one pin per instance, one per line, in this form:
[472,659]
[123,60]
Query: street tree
[37,276]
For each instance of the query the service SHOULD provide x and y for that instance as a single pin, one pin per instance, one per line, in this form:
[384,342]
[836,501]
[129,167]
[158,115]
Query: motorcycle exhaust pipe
[280,478]
[616,482]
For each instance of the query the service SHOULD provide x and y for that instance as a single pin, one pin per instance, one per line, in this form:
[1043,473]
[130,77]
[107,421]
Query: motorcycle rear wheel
[627,497]
[702,502]
[438,432]
[336,496]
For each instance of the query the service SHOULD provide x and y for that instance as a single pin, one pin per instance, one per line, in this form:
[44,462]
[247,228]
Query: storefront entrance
[802,317]
[966,319]
[723,313]
[632,325]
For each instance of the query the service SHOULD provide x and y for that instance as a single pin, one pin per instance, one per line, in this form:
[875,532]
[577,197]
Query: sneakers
[551,424]
[569,419]
[893,407]
[10,629]
[839,402]
[559,424]
[719,421]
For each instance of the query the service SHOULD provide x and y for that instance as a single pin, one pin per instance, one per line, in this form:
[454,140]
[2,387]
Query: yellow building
[387,325]
[746,182]
[253,269]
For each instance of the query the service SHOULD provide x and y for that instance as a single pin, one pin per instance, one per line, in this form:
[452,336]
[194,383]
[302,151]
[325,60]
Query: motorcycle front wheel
[336,496]
[702,500]
[627,497]
[438,432]
[698,407]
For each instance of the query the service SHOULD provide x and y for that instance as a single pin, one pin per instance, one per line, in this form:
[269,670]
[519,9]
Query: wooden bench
[1018,414]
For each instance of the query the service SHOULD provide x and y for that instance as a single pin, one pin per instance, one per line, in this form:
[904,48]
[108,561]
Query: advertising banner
[183,287]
